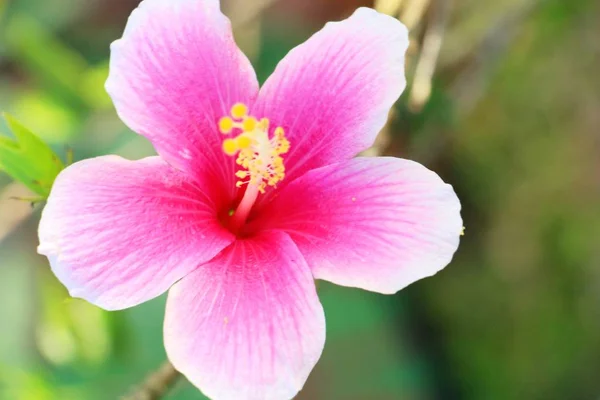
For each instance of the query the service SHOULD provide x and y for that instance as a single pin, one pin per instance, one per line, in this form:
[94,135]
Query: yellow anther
[243,142]
[239,110]
[258,154]
[249,124]
[225,125]
[230,146]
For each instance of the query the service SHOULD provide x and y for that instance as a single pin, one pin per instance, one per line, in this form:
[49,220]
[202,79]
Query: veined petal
[247,325]
[173,75]
[375,223]
[332,94]
[119,232]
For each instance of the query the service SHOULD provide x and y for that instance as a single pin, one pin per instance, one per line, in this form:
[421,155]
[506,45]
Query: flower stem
[156,385]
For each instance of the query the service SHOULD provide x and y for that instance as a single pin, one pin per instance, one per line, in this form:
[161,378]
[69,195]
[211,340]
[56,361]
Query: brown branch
[157,384]
[413,13]
[432,44]
[389,7]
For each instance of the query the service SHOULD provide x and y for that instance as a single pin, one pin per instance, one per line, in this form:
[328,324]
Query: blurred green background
[510,117]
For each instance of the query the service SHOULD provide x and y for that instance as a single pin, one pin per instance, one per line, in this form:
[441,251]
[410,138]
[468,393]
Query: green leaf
[49,60]
[28,160]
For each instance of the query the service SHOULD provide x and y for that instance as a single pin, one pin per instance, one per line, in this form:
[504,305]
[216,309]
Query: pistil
[243,210]
[258,155]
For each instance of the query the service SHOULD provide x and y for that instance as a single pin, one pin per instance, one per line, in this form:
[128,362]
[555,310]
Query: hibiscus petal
[248,325]
[333,93]
[375,223]
[119,232]
[175,72]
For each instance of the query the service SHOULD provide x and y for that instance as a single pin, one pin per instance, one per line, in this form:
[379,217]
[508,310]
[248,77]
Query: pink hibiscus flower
[238,215]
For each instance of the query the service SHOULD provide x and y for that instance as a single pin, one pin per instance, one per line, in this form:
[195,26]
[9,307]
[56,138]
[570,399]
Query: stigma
[258,154]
